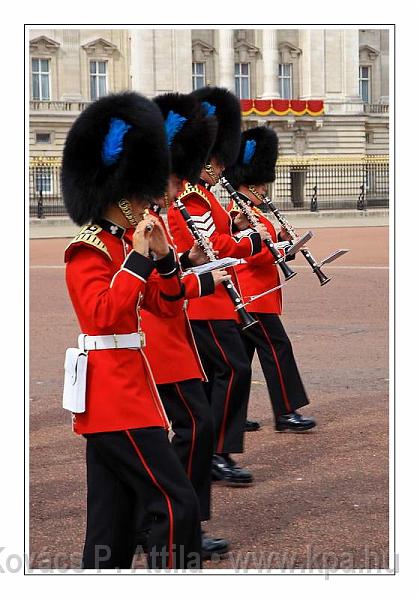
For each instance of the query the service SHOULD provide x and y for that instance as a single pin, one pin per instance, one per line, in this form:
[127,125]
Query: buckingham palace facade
[324,91]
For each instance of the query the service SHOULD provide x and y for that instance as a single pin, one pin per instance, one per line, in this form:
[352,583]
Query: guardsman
[250,175]
[115,162]
[171,350]
[213,318]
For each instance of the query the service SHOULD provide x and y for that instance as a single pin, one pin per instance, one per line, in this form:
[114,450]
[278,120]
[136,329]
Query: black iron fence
[45,199]
[310,185]
[314,185]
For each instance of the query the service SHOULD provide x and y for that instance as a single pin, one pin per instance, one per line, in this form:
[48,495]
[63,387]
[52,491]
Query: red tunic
[213,222]
[108,283]
[259,273]
[171,348]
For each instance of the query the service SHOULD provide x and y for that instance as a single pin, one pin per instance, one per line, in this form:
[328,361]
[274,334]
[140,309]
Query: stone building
[325,91]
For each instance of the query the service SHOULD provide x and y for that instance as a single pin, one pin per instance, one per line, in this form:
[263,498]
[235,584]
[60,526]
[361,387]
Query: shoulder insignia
[193,189]
[88,235]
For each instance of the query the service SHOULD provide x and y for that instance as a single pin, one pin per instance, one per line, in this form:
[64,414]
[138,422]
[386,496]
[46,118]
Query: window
[97,79]
[198,75]
[40,79]
[242,87]
[364,83]
[285,81]
[43,180]
[43,138]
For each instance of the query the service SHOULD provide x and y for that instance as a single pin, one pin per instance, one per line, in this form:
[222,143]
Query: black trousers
[188,409]
[277,361]
[131,469]
[228,371]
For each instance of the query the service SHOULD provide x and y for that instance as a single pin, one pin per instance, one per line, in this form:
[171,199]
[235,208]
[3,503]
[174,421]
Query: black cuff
[256,242]
[184,259]
[206,284]
[167,266]
[176,297]
[290,257]
[138,264]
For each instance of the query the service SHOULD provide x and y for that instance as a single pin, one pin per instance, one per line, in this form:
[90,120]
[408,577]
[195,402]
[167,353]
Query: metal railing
[310,185]
[314,185]
[45,199]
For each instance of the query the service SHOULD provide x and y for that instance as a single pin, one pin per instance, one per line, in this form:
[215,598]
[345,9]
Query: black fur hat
[191,133]
[256,163]
[116,149]
[226,107]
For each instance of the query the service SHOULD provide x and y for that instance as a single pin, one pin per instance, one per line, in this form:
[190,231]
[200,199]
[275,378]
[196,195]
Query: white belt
[108,342]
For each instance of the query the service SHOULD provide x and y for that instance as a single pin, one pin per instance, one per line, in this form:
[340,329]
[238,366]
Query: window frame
[369,83]
[195,76]
[283,78]
[96,77]
[44,174]
[239,79]
[40,133]
[39,73]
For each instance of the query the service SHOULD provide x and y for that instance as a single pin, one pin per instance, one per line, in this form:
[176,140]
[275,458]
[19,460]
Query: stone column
[226,59]
[161,61]
[182,60]
[270,56]
[142,61]
[351,64]
[342,71]
[312,43]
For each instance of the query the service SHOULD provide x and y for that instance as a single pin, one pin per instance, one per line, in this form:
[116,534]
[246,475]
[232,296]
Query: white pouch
[75,372]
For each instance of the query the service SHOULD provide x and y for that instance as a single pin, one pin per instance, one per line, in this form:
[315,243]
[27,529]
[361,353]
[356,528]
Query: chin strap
[256,194]
[125,207]
[210,172]
[167,201]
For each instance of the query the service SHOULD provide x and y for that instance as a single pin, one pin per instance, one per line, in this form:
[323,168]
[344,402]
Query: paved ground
[321,498]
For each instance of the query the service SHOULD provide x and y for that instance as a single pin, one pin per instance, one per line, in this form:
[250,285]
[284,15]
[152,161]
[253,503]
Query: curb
[63,227]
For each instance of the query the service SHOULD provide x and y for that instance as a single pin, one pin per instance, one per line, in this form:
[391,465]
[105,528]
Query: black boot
[225,470]
[252,425]
[294,422]
[213,546]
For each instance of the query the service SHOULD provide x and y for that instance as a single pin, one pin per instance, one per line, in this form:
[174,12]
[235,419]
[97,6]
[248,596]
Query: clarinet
[323,279]
[253,221]
[246,319]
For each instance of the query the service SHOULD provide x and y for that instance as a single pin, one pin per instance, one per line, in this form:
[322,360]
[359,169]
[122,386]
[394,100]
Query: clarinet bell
[246,319]
[287,271]
[323,279]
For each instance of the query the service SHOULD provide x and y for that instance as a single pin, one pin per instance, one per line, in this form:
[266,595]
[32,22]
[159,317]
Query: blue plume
[113,142]
[249,151]
[209,109]
[173,124]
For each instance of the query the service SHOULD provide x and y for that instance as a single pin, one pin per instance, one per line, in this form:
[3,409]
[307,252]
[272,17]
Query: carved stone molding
[300,141]
[43,45]
[244,51]
[288,52]
[100,47]
[201,51]
[368,52]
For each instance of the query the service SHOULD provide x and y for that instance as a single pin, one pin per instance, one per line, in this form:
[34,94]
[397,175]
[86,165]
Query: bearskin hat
[115,149]
[256,163]
[226,107]
[191,133]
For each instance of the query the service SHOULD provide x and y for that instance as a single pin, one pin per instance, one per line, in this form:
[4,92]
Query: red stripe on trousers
[160,488]
[283,388]
[178,389]
[220,441]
